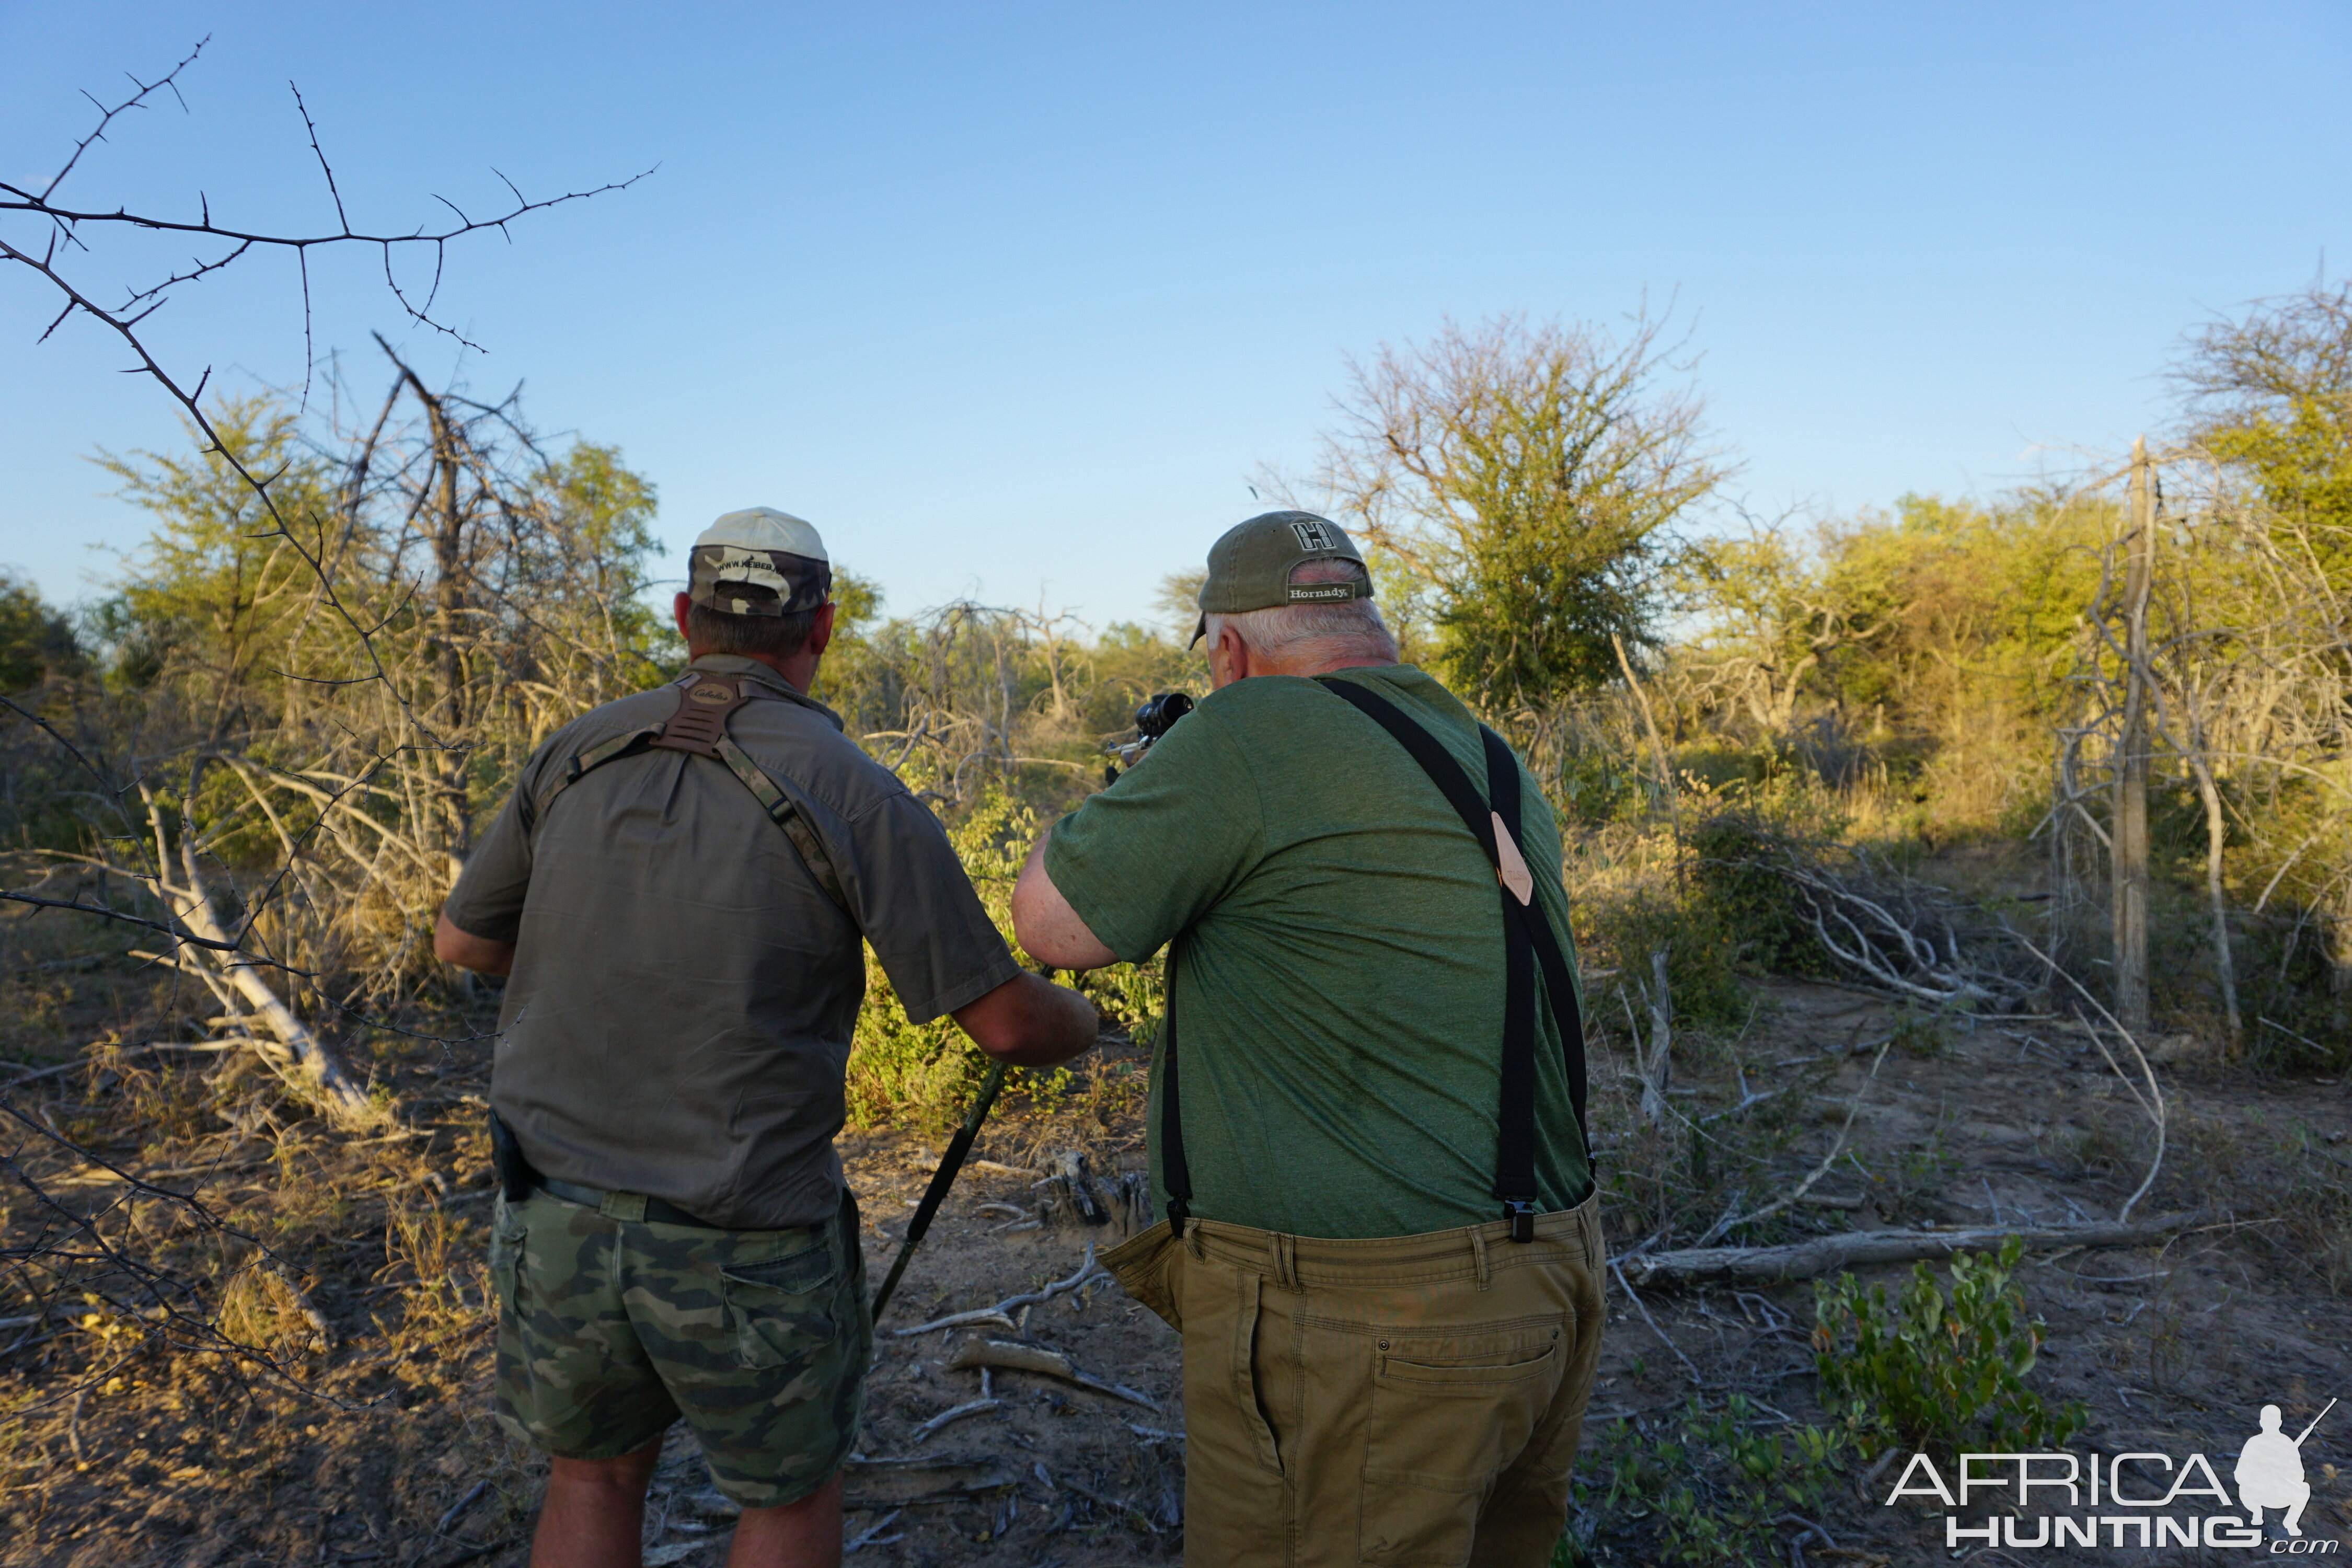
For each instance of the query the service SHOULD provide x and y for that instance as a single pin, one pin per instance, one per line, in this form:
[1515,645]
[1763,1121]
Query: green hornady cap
[759,562]
[1251,567]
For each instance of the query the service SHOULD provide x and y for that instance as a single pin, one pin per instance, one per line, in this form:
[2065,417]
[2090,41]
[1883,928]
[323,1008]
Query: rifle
[942,1179]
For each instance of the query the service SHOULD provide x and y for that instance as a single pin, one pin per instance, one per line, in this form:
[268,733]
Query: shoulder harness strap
[699,727]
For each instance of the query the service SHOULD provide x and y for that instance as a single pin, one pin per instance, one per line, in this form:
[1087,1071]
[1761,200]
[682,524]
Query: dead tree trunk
[444,654]
[2225,967]
[297,1052]
[2128,857]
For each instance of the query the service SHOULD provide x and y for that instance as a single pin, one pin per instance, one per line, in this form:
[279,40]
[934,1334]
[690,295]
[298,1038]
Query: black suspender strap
[704,704]
[1559,986]
[1174,1173]
[1529,941]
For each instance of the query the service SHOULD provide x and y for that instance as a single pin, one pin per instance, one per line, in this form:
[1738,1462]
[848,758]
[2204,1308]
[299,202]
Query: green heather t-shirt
[1338,980]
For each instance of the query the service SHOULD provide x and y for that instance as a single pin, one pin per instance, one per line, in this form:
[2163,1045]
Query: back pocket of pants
[783,1310]
[1447,1417]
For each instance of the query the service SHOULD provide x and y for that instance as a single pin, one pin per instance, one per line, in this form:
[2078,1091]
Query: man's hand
[1030,1022]
[467,950]
[1046,924]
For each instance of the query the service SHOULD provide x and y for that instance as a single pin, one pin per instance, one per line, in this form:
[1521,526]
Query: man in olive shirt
[1390,1319]
[680,888]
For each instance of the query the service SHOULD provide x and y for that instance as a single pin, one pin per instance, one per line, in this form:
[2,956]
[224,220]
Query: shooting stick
[944,1178]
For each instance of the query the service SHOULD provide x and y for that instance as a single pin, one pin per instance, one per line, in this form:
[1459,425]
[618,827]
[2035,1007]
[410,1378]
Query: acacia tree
[1527,477]
[212,602]
[2269,395]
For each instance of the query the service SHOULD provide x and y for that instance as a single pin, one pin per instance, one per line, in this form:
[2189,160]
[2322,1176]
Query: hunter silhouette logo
[2270,1471]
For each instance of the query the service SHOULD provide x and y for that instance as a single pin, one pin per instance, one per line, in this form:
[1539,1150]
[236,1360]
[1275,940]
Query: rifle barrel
[941,1180]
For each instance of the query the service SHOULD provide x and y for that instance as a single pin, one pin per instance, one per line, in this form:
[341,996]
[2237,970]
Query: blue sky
[1012,300]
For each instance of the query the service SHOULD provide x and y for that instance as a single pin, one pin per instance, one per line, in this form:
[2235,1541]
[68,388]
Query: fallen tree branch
[1837,1147]
[1822,1255]
[956,1413]
[1002,1311]
[2151,1103]
[127,1053]
[1015,1355]
[1664,1338]
[300,1054]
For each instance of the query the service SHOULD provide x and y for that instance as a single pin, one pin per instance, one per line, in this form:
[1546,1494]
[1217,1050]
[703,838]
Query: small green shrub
[1741,893]
[1936,1371]
[1704,1486]
[1621,932]
[1921,1033]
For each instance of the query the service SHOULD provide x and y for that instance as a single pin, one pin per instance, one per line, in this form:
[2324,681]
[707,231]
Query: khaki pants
[1409,1400]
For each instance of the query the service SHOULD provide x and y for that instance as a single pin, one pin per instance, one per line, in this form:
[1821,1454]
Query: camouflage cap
[759,562]
[1250,568]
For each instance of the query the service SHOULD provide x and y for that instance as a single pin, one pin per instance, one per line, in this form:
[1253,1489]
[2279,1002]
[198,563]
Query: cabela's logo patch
[711,694]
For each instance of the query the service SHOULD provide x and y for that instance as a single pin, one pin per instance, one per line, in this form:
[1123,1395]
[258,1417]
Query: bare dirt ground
[378,1447]
[2173,1348]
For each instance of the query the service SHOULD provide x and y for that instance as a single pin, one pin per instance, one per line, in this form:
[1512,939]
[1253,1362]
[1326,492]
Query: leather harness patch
[700,721]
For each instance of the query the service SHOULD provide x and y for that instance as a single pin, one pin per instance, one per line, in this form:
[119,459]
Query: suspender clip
[1521,1213]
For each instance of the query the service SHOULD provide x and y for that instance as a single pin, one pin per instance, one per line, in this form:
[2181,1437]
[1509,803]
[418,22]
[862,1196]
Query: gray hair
[1350,628]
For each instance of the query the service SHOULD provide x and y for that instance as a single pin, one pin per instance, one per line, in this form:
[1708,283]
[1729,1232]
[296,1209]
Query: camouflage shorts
[610,1330]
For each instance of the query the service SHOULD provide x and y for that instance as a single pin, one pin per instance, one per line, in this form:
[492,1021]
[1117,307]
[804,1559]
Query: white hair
[1317,633]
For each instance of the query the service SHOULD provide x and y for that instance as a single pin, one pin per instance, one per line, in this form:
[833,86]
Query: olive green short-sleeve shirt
[679,1014]
[1338,985]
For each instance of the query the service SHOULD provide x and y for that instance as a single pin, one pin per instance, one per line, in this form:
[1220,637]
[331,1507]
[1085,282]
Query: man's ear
[1229,659]
[679,607]
[820,629]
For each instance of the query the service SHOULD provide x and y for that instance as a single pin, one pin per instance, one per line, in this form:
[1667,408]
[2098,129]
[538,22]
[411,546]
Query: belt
[624,1206]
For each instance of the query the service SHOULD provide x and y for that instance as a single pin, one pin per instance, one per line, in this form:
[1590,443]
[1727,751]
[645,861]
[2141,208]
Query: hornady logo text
[2143,1499]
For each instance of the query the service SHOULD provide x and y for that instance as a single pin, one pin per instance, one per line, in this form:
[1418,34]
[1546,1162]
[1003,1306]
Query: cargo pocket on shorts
[1447,1417]
[509,1237]
[782,1309]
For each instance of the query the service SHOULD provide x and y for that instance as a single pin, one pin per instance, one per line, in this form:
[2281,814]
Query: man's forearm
[1030,1022]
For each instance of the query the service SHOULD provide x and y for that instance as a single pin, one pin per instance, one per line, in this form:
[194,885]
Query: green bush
[1706,1488]
[923,1075]
[1936,1371]
[1622,931]
[1742,894]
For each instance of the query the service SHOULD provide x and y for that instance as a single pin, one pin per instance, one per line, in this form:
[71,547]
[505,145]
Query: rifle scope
[1157,716]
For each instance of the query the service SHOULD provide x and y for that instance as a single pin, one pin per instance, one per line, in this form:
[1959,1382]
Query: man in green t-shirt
[1382,1249]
